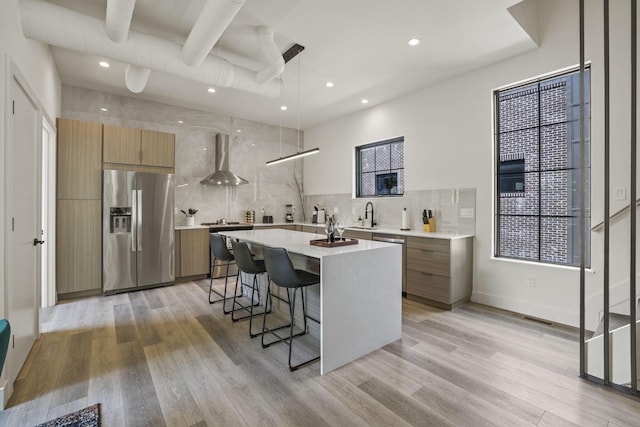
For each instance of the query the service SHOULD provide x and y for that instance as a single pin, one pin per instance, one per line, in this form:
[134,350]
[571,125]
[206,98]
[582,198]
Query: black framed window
[380,168]
[537,172]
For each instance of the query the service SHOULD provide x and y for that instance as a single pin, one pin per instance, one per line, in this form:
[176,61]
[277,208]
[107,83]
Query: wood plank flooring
[166,357]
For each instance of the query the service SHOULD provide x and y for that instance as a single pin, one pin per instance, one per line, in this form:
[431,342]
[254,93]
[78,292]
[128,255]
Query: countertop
[376,230]
[381,230]
[298,242]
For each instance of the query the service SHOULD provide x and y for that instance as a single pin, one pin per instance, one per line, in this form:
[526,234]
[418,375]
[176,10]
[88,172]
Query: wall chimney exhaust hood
[221,174]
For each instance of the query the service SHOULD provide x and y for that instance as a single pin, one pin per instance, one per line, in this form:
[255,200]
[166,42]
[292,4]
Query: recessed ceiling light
[211,90]
[329,84]
[103,109]
[104,64]
[414,42]
[283,108]
[239,130]
[365,101]
[180,122]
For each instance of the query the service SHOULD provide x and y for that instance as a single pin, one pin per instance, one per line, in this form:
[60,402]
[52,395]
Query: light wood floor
[166,357]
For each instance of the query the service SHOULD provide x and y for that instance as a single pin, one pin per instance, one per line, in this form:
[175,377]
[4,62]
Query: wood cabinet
[121,145]
[78,248]
[137,147]
[79,157]
[357,234]
[439,271]
[318,229]
[79,209]
[158,149]
[192,252]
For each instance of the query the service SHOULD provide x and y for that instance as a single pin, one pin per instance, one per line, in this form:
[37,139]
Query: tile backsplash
[454,209]
[270,188]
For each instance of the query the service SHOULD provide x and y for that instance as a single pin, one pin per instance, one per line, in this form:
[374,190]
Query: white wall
[34,61]
[449,143]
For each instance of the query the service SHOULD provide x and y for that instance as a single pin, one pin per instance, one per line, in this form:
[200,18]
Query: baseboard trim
[543,312]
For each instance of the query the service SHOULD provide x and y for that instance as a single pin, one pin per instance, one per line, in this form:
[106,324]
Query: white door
[23,212]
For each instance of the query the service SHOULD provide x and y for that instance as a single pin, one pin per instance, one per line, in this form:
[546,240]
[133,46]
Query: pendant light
[299,153]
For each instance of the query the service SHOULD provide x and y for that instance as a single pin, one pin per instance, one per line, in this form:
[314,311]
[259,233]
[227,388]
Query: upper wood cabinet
[79,160]
[138,147]
[121,145]
[158,149]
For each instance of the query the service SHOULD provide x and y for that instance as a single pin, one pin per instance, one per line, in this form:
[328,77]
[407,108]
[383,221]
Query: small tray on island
[338,242]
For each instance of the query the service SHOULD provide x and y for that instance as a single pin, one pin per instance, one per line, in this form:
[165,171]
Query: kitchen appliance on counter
[290,210]
[250,217]
[138,230]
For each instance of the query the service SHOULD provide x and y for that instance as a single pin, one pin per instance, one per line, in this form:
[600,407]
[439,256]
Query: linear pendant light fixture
[299,153]
[293,156]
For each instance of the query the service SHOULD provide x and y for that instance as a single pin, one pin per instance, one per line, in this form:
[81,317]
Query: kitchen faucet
[366,214]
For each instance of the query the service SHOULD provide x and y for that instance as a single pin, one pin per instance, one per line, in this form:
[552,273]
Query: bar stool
[219,252]
[282,273]
[249,265]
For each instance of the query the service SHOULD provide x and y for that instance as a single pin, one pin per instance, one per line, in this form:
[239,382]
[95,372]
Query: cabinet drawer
[436,245]
[428,261]
[431,286]
[355,234]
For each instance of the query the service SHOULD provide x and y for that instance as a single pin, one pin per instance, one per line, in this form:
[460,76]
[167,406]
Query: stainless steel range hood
[221,174]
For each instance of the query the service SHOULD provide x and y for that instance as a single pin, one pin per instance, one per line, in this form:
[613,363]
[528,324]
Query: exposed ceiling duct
[271,53]
[221,175]
[136,78]
[118,20]
[215,17]
[62,27]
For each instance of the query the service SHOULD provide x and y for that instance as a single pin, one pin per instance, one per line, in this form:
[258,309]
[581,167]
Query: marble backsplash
[449,207]
[252,144]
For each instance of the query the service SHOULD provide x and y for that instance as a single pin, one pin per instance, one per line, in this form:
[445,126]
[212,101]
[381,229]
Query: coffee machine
[290,210]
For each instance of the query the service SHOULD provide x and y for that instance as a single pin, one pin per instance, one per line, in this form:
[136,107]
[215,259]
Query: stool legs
[288,339]
[304,316]
[254,289]
[223,296]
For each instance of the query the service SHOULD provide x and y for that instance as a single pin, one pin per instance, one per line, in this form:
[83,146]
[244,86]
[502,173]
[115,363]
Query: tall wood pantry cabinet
[79,209]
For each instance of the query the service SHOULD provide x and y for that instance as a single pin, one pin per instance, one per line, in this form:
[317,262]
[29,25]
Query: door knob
[37,242]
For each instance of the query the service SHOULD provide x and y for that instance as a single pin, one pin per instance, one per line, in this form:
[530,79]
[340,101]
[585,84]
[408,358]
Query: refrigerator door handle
[139,219]
[134,222]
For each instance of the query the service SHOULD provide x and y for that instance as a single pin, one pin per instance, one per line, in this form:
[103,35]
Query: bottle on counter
[331,230]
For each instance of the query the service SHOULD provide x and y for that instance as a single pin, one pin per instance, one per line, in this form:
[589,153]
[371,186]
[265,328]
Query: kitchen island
[360,292]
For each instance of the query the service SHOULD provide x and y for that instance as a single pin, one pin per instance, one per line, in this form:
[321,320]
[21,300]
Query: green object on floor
[5,335]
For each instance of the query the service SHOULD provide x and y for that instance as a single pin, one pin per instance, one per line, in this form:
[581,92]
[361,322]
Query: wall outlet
[335,209]
[531,281]
[621,193]
[466,212]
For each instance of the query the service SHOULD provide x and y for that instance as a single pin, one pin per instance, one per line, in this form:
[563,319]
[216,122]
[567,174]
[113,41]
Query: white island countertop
[298,242]
[360,292]
[379,230]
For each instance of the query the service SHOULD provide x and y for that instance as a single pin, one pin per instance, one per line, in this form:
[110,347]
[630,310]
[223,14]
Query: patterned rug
[87,417]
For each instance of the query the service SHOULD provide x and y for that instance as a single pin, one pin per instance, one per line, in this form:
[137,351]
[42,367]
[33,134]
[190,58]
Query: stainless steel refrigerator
[138,234]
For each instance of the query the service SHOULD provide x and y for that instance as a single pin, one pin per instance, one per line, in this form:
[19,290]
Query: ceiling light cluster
[414,42]
[104,109]
[104,64]
[283,108]
[211,90]
[329,84]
